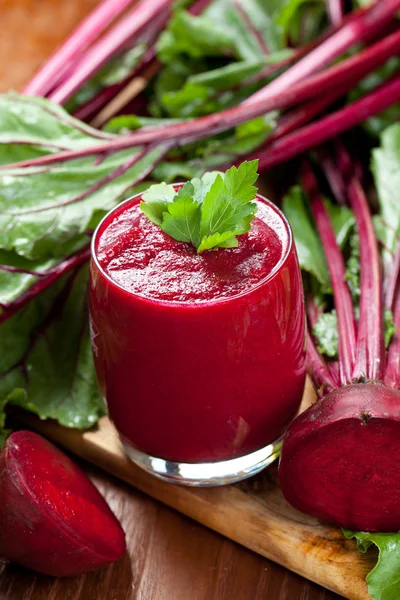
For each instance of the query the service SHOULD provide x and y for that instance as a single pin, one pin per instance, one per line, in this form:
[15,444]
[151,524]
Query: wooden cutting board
[253,513]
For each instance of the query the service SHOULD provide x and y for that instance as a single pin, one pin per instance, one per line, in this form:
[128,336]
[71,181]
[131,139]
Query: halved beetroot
[52,518]
[340,460]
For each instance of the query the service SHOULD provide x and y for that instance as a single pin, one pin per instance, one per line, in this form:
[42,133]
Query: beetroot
[340,458]
[52,518]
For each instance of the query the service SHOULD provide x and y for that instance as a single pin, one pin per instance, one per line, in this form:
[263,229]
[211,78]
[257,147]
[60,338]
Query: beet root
[52,518]
[340,460]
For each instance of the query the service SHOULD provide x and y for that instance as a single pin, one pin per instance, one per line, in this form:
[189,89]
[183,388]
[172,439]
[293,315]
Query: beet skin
[341,459]
[52,518]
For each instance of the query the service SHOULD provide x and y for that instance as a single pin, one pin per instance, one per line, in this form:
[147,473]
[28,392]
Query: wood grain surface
[169,556]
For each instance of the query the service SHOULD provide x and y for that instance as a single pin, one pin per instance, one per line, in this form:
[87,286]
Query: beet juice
[200,357]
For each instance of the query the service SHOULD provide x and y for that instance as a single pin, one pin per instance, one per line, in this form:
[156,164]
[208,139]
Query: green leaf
[308,245]
[386,171]
[210,59]
[155,201]
[342,220]
[125,123]
[13,284]
[208,212]
[384,580]
[390,327]
[46,212]
[194,36]
[182,219]
[227,206]
[219,240]
[46,363]
[235,73]
[32,127]
[274,21]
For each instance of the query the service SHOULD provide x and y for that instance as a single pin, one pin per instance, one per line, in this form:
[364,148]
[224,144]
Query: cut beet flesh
[341,459]
[52,518]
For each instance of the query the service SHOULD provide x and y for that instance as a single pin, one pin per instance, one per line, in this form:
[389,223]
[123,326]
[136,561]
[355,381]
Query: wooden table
[169,556]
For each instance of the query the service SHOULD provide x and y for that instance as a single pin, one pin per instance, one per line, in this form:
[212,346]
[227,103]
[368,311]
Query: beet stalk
[340,457]
[130,25]
[336,267]
[350,70]
[392,375]
[75,45]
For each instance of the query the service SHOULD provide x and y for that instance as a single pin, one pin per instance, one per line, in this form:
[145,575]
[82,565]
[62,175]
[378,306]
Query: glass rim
[201,303]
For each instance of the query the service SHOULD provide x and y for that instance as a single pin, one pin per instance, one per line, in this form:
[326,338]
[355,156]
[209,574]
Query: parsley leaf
[183,217]
[208,212]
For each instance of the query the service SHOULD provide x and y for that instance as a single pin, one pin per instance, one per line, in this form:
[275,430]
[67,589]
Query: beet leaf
[46,360]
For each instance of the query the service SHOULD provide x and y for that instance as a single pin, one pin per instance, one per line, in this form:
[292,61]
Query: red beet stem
[370,353]
[392,282]
[105,96]
[392,375]
[328,127]
[132,24]
[297,142]
[335,11]
[303,114]
[332,175]
[367,24]
[337,271]
[89,30]
[302,51]
[322,378]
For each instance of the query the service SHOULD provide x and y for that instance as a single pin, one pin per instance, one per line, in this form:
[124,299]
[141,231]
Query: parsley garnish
[209,212]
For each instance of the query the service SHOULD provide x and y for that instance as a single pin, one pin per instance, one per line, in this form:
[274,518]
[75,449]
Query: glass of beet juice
[200,357]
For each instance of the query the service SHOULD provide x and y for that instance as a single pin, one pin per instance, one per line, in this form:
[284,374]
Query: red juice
[200,356]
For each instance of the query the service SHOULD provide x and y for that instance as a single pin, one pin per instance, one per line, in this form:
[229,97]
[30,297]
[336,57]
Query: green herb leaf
[208,212]
[384,580]
[227,207]
[156,200]
[182,219]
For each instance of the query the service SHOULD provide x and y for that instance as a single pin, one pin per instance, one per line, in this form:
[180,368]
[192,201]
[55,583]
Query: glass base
[208,473]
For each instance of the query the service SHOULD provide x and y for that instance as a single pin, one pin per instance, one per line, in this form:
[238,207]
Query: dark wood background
[169,556]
